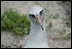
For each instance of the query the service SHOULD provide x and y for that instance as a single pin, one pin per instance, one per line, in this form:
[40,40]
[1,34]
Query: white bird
[37,37]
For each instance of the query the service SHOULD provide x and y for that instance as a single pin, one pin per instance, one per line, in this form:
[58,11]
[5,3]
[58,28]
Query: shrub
[12,21]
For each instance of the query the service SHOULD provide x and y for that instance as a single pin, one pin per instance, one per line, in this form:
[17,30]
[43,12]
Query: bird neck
[36,28]
[37,37]
[37,32]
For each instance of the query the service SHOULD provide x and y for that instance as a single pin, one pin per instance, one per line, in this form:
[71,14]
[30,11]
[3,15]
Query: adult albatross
[37,37]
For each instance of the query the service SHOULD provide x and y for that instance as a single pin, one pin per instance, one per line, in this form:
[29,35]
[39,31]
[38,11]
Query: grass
[48,28]
[54,16]
[12,21]
[68,24]
[63,31]
[67,37]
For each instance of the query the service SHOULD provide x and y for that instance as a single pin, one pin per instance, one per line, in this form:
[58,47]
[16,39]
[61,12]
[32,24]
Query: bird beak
[38,17]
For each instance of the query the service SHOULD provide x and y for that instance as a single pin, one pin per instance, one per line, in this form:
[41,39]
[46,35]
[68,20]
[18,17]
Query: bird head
[36,15]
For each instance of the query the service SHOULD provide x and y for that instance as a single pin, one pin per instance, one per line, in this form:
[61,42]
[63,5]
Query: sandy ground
[52,8]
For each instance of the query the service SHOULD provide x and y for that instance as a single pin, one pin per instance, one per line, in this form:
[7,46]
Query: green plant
[63,31]
[12,21]
[67,37]
[54,16]
[68,24]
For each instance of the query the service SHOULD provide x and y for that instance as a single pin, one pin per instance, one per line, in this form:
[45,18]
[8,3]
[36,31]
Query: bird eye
[33,16]
[41,12]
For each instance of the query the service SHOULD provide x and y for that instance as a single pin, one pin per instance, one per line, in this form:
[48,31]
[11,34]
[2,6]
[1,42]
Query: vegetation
[68,24]
[67,37]
[12,21]
[54,16]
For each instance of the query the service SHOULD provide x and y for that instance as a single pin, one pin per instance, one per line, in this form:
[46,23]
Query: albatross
[37,37]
